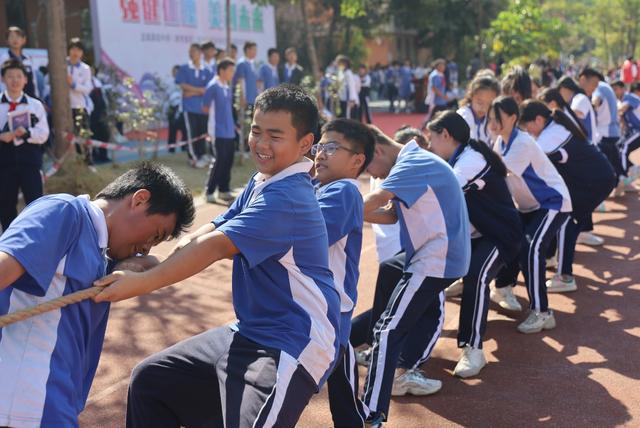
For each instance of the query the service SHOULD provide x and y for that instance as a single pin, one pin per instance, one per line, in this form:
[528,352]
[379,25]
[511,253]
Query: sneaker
[537,321]
[374,420]
[455,289]
[226,196]
[505,298]
[561,284]
[588,238]
[211,199]
[201,163]
[470,363]
[414,382]
[552,262]
[363,358]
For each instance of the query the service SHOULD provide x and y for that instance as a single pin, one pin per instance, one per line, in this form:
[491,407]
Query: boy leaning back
[263,370]
[343,153]
[58,245]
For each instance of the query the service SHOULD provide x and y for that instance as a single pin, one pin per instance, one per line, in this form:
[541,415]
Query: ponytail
[553,94]
[491,157]
[563,119]
[531,109]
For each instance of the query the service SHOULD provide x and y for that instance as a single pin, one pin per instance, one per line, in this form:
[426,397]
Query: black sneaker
[375,420]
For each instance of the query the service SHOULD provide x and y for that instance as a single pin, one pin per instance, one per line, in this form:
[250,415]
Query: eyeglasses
[329,149]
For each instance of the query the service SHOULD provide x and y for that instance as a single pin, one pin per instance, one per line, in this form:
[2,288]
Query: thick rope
[51,305]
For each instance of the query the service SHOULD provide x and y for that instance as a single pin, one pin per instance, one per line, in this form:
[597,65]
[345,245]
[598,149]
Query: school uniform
[194,118]
[582,104]
[31,87]
[48,362]
[391,79]
[348,93]
[268,75]
[342,209]
[291,73]
[211,65]
[263,370]
[434,233]
[436,103]
[608,126]
[477,125]
[589,178]
[222,131]
[246,70]
[175,116]
[631,140]
[365,92]
[79,90]
[404,91]
[21,160]
[543,199]
[496,236]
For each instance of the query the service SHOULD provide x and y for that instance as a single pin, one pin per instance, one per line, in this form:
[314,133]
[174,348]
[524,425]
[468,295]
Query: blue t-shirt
[219,100]
[406,75]
[269,76]
[434,225]
[283,291]
[246,70]
[343,211]
[198,77]
[436,80]
[608,97]
[48,362]
[632,115]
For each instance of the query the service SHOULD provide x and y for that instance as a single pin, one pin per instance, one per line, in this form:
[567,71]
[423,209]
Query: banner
[151,36]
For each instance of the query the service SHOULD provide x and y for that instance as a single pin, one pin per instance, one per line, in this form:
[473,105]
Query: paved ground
[586,372]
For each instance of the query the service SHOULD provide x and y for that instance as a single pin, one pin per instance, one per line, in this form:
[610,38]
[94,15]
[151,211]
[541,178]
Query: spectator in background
[391,81]
[80,86]
[16,40]
[437,98]
[629,72]
[291,72]
[209,52]
[349,89]
[268,74]
[246,75]
[98,120]
[404,88]
[175,118]
[192,79]
[365,91]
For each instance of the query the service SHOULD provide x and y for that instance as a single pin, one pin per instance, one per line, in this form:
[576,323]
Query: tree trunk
[311,47]
[331,51]
[61,108]
[228,25]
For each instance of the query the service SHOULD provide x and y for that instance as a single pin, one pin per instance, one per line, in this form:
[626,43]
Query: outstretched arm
[10,270]
[378,209]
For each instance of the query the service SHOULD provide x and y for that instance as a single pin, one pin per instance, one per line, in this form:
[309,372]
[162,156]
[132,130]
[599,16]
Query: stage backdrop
[150,36]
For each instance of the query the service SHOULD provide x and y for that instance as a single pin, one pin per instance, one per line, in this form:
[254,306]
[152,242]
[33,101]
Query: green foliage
[523,33]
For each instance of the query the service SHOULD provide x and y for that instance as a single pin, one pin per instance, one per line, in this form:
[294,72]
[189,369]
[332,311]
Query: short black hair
[19,31]
[356,133]
[569,83]
[380,137]
[293,99]
[517,80]
[591,72]
[619,83]
[232,46]
[12,64]
[248,45]
[169,194]
[272,51]
[288,50]
[635,87]
[75,42]
[207,45]
[407,133]
[224,64]
[506,104]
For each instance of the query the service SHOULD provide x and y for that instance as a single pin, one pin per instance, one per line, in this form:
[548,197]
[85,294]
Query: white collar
[193,66]
[303,166]
[219,82]
[5,95]
[409,147]
[98,220]
[290,67]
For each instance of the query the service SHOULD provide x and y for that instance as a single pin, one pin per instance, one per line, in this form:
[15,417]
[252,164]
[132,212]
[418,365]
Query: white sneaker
[561,284]
[505,298]
[414,382]
[201,163]
[363,358]
[552,262]
[470,363]
[588,238]
[226,196]
[455,289]
[537,321]
[211,199]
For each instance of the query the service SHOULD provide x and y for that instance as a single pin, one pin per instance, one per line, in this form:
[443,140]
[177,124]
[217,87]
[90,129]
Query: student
[541,196]
[404,89]
[480,94]
[218,104]
[343,153]
[437,98]
[80,84]
[268,73]
[434,231]
[517,84]
[574,96]
[291,72]
[192,79]
[607,124]
[365,92]
[552,98]
[349,88]
[58,245]
[586,172]
[246,76]
[16,40]
[175,118]
[209,52]
[263,370]
[392,80]
[20,149]
[630,112]
[496,230]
